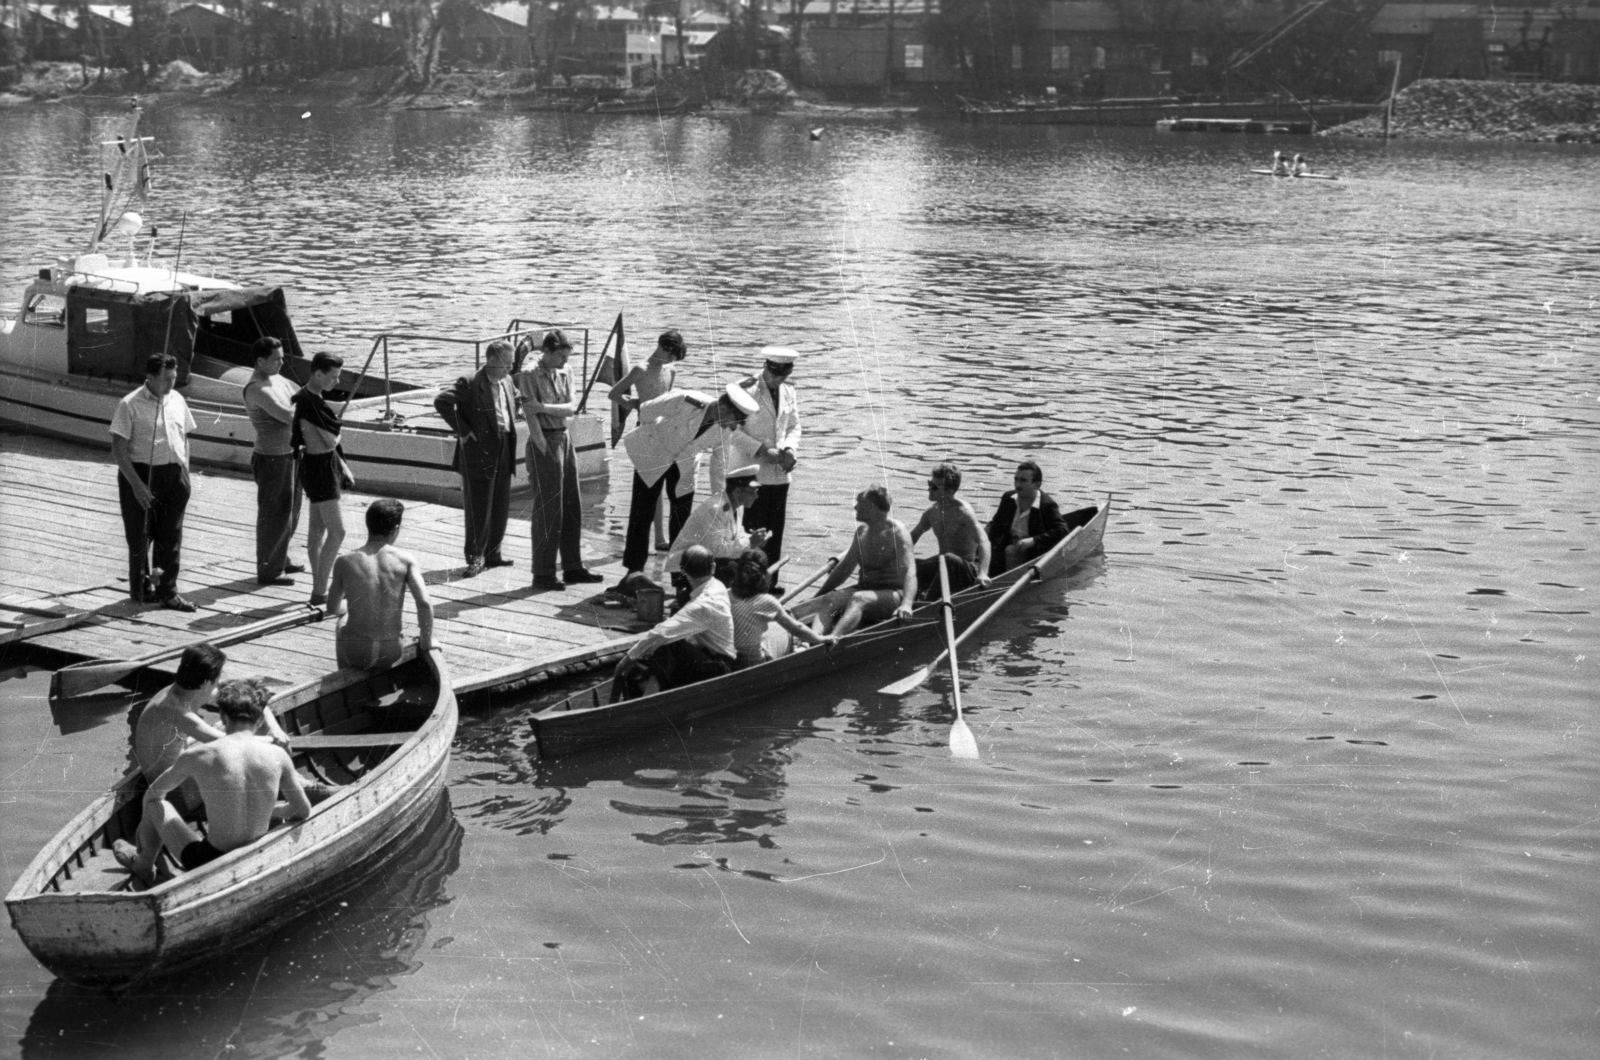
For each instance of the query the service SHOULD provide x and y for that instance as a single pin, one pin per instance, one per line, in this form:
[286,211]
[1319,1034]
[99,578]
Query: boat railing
[382,340]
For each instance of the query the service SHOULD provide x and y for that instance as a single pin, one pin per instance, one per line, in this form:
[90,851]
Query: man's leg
[571,538]
[474,515]
[769,512]
[170,830]
[545,519]
[645,498]
[682,507]
[276,509]
[500,499]
[135,528]
[867,606]
[170,483]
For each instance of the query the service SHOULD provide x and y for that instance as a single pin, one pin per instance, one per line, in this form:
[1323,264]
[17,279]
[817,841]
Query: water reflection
[275,998]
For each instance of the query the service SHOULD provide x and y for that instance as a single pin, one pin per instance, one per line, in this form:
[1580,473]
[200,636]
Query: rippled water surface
[1304,766]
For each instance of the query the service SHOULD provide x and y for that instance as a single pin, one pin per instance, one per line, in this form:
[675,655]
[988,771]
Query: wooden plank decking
[61,546]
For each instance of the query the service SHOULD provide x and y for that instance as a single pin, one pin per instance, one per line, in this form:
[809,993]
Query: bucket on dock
[648,604]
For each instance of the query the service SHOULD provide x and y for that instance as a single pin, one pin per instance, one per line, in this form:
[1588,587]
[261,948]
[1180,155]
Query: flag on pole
[614,373]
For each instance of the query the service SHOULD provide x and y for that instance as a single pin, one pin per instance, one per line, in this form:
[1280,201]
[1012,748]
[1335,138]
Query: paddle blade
[962,743]
[906,685]
[82,678]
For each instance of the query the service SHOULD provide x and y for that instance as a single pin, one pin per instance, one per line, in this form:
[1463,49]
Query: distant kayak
[1295,176]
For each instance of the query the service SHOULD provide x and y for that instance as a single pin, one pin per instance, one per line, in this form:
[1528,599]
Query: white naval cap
[741,401]
[748,471]
[779,354]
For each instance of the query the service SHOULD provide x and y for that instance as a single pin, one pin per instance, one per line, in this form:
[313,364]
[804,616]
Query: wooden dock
[62,548]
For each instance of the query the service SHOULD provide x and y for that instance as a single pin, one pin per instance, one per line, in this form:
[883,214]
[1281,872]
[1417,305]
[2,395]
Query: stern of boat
[100,940]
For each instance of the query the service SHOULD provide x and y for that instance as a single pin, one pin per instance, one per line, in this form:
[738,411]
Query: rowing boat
[383,735]
[1294,176]
[587,719]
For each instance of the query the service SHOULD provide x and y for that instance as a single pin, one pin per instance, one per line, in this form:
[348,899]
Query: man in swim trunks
[955,527]
[375,577]
[888,582]
[240,778]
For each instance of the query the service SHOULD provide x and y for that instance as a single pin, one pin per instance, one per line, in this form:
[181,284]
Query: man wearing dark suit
[482,410]
[1028,523]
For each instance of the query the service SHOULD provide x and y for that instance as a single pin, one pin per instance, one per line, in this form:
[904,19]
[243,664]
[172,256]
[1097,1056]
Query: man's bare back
[165,727]
[240,778]
[374,578]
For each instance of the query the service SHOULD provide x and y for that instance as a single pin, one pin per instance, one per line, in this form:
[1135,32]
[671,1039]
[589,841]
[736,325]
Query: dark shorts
[198,853]
[319,474]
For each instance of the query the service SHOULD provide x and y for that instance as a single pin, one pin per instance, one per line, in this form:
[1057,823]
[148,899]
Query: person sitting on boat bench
[1280,165]
[888,583]
[1029,523]
[755,608]
[1301,166]
[955,527]
[716,525]
[241,779]
[695,644]
[375,577]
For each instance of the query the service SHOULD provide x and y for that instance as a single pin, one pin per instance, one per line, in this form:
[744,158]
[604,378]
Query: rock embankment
[1488,110]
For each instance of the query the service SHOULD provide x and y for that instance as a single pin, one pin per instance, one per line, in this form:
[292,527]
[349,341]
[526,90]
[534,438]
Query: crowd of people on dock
[722,556]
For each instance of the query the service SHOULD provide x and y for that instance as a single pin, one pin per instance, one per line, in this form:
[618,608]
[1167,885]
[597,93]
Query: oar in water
[82,678]
[962,743]
[914,681]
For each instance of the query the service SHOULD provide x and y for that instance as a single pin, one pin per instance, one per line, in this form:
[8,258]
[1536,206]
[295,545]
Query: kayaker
[960,536]
[1301,166]
[240,778]
[695,644]
[1280,165]
[888,583]
[754,609]
[375,578]
[716,525]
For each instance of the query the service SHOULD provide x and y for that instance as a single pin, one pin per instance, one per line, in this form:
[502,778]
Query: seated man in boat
[695,644]
[1280,165]
[754,609]
[717,525]
[888,583]
[241,779]
[955,527]
[375,578]
[1301,166]
[1029,523]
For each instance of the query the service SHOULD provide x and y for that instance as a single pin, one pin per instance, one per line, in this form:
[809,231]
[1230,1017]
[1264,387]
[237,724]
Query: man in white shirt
[677,424]
[150,444]
[273,464]
[775,425]
[696,644]
[715,524]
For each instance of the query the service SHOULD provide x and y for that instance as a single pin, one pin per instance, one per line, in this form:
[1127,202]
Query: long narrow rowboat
[384,735]
[587,719]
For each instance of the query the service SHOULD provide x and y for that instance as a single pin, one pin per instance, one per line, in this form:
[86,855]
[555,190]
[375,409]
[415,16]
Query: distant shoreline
[1497,111]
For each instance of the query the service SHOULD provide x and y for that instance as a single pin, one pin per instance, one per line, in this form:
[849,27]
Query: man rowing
[888,584]
[240,778]
[695,644]
[955,527]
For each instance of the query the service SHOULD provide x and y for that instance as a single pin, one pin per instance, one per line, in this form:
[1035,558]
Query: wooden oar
[826,568]
[962,743]
[56,624]
[85,677]
[911,683]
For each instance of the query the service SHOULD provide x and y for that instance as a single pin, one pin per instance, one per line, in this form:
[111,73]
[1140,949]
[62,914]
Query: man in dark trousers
[1028,524]
[150,444]
[557,517]
[482,410]
[776,426]
[268,399]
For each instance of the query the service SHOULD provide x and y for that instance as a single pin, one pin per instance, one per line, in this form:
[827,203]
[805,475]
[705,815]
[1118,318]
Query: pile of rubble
[1488,110]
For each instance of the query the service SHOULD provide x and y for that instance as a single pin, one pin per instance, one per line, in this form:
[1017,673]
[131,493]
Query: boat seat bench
[353,740]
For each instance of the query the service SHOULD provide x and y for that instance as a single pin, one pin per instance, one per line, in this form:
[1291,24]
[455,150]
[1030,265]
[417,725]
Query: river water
[1304,766]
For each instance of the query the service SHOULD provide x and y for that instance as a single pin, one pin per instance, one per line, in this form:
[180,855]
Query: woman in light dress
[755,609]
[650,380]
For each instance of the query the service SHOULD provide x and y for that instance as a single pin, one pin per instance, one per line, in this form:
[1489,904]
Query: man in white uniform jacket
[775,426]
[715,525]
[672,426]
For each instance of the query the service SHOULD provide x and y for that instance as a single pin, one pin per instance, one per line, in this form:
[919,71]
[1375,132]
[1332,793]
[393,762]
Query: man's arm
[532,403]
[922,527]
[265,397]
[290,790]
[620,390]
[448,405]
[788,433]
[985,555]
[419,595]
[180,771]
[195,727]
[908,586]
[335,604]
[270,728]
[1055,527]
[124,459]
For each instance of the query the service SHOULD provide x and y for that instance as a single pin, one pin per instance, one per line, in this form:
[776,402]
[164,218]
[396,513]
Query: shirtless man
[955,527]
[240,778]
[375,577]
[888,583]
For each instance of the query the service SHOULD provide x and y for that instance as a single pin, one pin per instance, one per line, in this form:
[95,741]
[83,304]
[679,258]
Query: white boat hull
[412,462]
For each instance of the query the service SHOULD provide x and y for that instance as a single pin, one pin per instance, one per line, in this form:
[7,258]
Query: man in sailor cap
[676,424]
[775,425]
[715,525]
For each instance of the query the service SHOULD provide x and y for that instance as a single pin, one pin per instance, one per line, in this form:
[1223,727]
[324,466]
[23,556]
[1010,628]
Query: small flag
[618,370]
